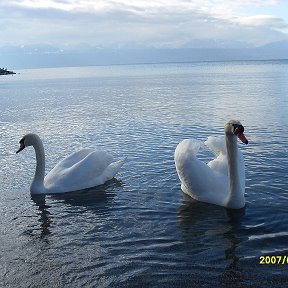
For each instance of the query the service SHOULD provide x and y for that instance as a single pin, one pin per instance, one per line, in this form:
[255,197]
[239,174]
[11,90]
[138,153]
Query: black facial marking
[239,127]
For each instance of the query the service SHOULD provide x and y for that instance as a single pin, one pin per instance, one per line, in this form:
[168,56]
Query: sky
[143,23]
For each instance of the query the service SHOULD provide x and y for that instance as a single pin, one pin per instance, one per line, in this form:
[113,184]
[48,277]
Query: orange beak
[241,135]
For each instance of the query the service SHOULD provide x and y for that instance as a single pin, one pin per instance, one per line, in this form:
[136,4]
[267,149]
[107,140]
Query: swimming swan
[222,180]
[80,170]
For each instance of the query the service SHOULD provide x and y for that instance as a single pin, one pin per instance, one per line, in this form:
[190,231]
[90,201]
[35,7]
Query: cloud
[263,21]
[157,23]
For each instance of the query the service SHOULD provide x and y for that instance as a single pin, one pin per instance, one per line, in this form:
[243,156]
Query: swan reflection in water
[216,228]
[44,214]
[97,200]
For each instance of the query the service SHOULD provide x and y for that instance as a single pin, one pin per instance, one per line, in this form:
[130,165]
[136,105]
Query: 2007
[267,260]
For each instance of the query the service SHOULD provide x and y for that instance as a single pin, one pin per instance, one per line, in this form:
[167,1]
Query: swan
[80,170]
[222,180]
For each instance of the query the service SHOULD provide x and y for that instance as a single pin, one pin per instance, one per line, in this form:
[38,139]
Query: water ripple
[141,230]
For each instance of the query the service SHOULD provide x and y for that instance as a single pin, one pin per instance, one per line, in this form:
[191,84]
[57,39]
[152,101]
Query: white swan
[80,170]
[222,180]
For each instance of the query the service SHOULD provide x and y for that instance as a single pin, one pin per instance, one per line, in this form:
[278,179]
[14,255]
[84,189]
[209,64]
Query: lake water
[139,230]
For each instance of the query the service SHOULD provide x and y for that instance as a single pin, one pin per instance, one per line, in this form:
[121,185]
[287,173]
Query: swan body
[80,170]
[222,180]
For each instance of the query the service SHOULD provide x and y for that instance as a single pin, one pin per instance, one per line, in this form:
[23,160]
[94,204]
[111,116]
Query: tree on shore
[4,71]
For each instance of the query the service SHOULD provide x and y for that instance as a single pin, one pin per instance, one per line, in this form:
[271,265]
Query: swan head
[234,127]
[28,140]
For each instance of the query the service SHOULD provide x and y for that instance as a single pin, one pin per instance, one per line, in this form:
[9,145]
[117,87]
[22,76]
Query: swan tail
[113,169]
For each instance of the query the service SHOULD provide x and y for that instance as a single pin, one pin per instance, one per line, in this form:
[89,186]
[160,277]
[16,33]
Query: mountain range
[42,56]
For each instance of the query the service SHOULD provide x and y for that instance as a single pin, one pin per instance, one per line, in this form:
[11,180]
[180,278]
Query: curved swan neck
[235,197]
[37,185]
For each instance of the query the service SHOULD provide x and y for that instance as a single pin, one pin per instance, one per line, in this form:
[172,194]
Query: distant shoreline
[72,65]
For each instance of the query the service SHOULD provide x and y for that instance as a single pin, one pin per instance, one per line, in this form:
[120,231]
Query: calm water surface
[139,230]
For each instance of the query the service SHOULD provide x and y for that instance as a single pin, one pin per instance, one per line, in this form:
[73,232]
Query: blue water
[139,230]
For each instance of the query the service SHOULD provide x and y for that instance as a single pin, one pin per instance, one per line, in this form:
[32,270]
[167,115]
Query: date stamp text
[273,260]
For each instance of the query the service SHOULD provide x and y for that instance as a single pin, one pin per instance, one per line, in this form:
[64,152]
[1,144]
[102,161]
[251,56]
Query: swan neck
[37,185]
[235,197]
